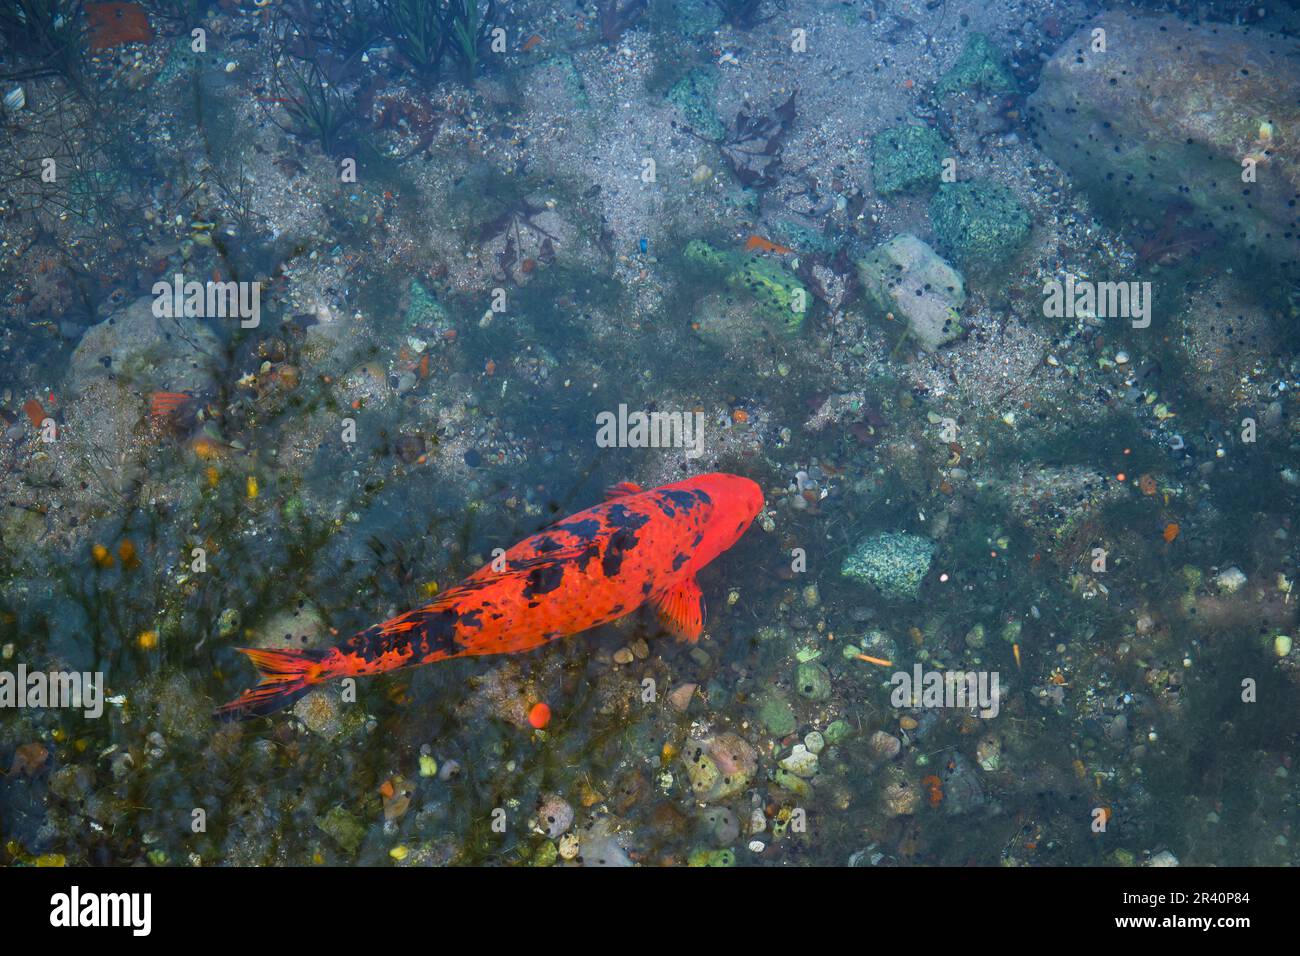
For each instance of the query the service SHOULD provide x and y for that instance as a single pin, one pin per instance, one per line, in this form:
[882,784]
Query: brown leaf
[753,147]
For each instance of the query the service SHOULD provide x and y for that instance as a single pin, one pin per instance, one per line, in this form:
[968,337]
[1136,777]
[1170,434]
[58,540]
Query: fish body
[636,548]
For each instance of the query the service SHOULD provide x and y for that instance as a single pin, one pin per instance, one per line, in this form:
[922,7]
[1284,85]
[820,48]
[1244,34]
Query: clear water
[464,252]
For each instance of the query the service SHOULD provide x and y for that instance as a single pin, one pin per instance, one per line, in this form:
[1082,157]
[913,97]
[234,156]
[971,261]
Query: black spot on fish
[543,580]
[704,498]
[620,543]
[548,544]
[585,558]
[622,517]
[585,530]
[682,499]
[678,561]
[698,538]
[437,630]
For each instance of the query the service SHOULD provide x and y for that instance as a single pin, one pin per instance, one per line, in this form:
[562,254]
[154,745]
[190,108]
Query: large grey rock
[147,353]
[1165,117]
[908,278]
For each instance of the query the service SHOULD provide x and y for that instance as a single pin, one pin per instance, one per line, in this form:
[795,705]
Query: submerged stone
[981,67]
[694,94]
[1171,116]
[895,563]
[778,296]
[343,828]
[978,222]
[904,157]
[906,278]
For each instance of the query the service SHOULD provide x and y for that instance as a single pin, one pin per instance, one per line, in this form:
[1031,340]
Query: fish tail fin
[286,675]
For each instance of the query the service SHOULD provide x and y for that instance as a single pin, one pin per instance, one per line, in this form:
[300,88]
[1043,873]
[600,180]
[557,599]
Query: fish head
[735,503]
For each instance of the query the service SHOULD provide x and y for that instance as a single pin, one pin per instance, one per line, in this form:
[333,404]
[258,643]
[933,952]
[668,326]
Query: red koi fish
[638,547]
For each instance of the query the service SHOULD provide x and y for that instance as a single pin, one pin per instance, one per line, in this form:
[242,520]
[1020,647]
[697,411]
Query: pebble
[801,762]
[623,656]
[884,746]
[816,743]
[1230,580]
[569,847]
[555,816]
[1282,645]
[1163,858]
[681,696]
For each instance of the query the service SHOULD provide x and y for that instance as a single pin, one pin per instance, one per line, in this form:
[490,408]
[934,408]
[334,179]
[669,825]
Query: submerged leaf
[753,148]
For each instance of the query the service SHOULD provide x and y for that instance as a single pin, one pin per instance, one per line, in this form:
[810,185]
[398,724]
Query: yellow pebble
[147,640]
[101,556]
[251,487]
[399,853]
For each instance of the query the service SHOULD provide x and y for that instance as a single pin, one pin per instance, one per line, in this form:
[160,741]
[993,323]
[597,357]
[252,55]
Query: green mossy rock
[906,157]
[978,222]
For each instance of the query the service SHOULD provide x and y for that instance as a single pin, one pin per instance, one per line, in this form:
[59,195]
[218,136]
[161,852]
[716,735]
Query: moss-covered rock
[894,563]
[779,297]
[906,157]
[776,714]
[813,681]
[980,67]
[978,222]
[694,94]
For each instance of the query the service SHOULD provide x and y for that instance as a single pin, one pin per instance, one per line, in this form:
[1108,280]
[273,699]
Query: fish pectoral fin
[622,490]
[681,610]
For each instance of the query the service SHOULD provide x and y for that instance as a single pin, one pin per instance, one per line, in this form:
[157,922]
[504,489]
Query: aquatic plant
[417,28]
[347,28]
[48,36]
[319,109]
[467,26]
[615,17]
[308,78]
[741,14]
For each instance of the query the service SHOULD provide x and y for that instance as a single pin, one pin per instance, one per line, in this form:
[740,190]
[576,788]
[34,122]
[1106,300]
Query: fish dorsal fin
[681,610]
[622,490]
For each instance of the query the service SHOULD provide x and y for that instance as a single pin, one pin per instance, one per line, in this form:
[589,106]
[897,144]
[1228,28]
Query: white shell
[15,99]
